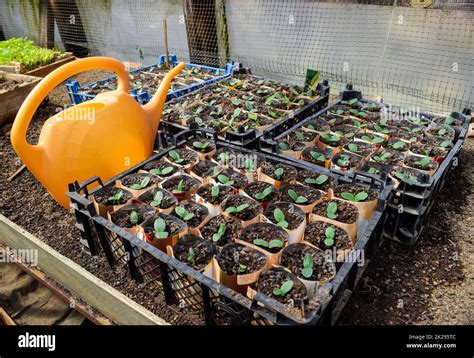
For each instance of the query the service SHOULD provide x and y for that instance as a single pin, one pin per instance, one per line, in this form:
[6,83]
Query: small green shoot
[331,210]
[266,192]
[180,188]
[307,269]
[321,179]
[160,228]
[200,145]
[220,232]
[284,288]
[175,157]
[134,217]
[225,180]
[183,213]
[164,171]
[360,196]
[191,256]
[116,197]
[157,199]
[142,185]
[330,234]
[296,198]
[280,218]
[236,210]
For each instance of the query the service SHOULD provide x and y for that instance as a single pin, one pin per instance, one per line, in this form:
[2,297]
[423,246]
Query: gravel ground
[429,284]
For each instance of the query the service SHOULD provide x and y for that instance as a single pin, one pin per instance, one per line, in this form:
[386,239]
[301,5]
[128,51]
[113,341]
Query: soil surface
[237,259]
[232,230]
[194,250]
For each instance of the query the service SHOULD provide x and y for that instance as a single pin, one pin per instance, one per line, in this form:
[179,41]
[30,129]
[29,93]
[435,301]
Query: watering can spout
[155,106]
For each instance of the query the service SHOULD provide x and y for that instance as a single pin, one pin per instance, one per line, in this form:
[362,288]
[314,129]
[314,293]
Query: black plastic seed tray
[190,289]
[246,138]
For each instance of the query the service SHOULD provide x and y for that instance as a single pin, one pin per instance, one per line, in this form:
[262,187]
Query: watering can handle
[46,85]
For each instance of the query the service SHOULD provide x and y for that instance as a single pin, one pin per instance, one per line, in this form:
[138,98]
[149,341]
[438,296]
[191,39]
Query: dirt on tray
[433,283]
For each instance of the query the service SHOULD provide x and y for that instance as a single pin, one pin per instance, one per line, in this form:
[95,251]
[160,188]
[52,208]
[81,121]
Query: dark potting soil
[317,124]
[137,178]
[293,256]
[239,179]
[315,234]
[302,136]
[354,189]
[442,131]
[287,145]
[121,217]
[271,280]
[189,183]
[206,169]
[258,187]
[346,213]
[104,196]
[332,119]
[310,154]
[413,161]
[289,173]
[238,259]
[309,193]
[326,181]
[346,160]
[294,216]
[397,144]
[159,166]
[249,213]
[168,199]
[428,150]
[232,230]
[345,130]
[197,143]
[194,251]
[359,148]
[266,232]
[187,155]
[174,226]
[437,142]
[199,211]
[410,136]
[388,156]
[206,193]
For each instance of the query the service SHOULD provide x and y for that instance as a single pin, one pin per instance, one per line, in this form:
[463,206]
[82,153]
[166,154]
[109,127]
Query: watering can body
[101,137]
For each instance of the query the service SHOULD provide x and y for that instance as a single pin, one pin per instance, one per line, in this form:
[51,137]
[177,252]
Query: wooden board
[104,298]
[5,318]
[11,101]
[16,67]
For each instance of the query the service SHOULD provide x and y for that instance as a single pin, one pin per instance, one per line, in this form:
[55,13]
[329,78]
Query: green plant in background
[24,51]
[160,228]
[330,234]
[134,217]
[266,192]
[236,210]
[284,288]
[278,173]
[180,188]
[157,199]
[191,256]
[183,213]
[164,171]
[331,210]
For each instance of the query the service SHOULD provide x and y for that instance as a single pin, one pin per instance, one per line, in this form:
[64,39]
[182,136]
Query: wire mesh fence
[410,52]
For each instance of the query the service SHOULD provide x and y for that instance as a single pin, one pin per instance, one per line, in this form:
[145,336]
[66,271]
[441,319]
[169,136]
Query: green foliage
[284,288]
[280,218]
[330,235]
[307,269]
[24,51]
[278,173]
[360,196]
[180,188]
[272,244]
[331,210]
[157,199]
[164,171]
[242,268]
[215,191]
[191,256]
[116,197]
[200,145]
[134,217]
[223,179]
[220,232]
[183,213]
[317,156]
[296,198]
[318,181]
[238,209]
[264,193]
[142,185]
[175,157]
[160,228]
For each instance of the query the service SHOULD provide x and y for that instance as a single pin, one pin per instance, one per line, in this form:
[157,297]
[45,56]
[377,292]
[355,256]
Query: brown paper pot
[255,220]
[276,183]
[203,156]
[135,193]
[103,210]
[322,145]
[295,235]
[290,153]
[206,271]
[214,210]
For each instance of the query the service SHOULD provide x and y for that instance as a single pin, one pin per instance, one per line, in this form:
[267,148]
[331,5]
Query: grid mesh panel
[397,49]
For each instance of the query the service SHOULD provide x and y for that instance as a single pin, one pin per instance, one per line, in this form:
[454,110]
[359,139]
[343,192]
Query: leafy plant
[380,129]
[372,170]
[350,102]
[220,232]
[238,209]
[143,184]
[307,269]
[296,198]
[318,181]
[266,192]
[183,213]
[398,145]
[116,197]
[24,51]
[283,146]
[424,163]
[445,144]
[280,218]
[284,288]
[160,228]
[225,180]
[374,140]
[357,113]
[331,210]
[215,191]
[405,176]
[441,132]
[360,196]
[164,171]
[200,145]
[343,161]
[317,156]
[300,136]
[278,173]
[175,157]
[134,217]
[191,256]
[157,199]
[353,147]
[242,268]
[329,139]
[180,188]
[382,158]
[448,120]
[330,234]
[272,244]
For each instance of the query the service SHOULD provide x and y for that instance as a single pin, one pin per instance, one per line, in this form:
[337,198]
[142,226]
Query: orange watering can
[102,137]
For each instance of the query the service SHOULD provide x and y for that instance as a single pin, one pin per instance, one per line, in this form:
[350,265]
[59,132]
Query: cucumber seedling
[278,173]
[175,157]
[331,210]
[284,288]
[191,256]
[157,199]
[225,180]
[329,234]
[183,213]
[236,210]
[298,199]
[321,179]
[280,218]
[220,232]
[180,188]
[164,171]
[134,217]
[142,185]
[360,196]
[116,197]
[200,145]
[307,269]
[272,244]
[266,192]
[160,228]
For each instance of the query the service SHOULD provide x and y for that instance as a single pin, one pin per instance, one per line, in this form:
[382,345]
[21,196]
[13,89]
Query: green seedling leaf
[260,242]
[275,243]
[264,193]
[220,232]
[330,234]
[317,156]
[372,170]
[331,210]
[284,288]
[300,136]
[116,197]
[321,179]
[180,188]
[283,146]
[191,256]
[143,184]
[134,217]
[445,144]
[249,106]
[238,209]
[353,147]
[224,158]
[425,162]
[307,269]
[280,218]
[157,199]
[441,132]
[278,173]
[398,145]
[215,191]
[200,145]
[242,268]
[225,180]
[164,171]
[297,199]
[183,213]
[404,176]
[448,121]
[175,157]
[343,161]
[160,228]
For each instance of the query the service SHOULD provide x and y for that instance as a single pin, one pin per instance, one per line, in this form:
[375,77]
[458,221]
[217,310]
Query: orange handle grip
[47,84]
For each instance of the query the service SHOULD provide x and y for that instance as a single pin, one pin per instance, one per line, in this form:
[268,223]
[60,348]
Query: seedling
[398,145]
[283,146]
[238,209]
[374,140]
[448,121]
[199,122]
[242,268]
[236,113]
[220,232]
[343,161]
[380,129]
[164,171]
[183,213]
[412,130]
[296,198]
[353,147]
[272,244]
[360,114]
[310,126]
[266,192]
[372,170]
[235,102]
[382,158]
[200,145]
[300,136]
[142,185]
[215,191]
[249,106]
[331,210]
[317,156]
[424,163]
[318,181]
[339,112]
[445,144]
[180,188]
[157,199]
[116,197]
[329,139]
[360,196]
[191,256]
[134,217]
[284,288]
[441,132]
[307,269]
[405,176]
[225,180]
[280,218]
[160,228]
[249,166]
[350,102]
[358,124]
[330,235]
[278,173]
[175,157]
